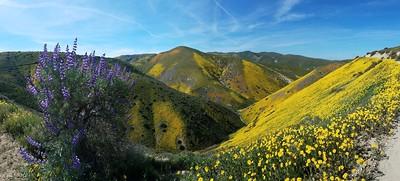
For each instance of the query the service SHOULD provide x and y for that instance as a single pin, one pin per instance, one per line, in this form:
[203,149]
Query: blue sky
[334,29]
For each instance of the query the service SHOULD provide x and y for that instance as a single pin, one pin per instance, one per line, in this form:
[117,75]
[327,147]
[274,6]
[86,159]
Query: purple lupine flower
[49,77]
[85,63]
[76,162]
[70,59]
[44,103]
[51,127]
[56,56]
[65,92]
[44,56]
[32,89]
[101,67]
[74,46]
[32,142]
[38,72]
[110,75]
[77,137]
[61,69]
[27,156]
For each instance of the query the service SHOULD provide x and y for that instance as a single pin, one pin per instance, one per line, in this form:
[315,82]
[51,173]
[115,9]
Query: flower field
[337,149]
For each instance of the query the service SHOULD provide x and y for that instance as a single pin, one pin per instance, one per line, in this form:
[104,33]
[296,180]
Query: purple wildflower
[49,77]
[32,142]
[56,56]
[65,92]
[27,156]
[75,46]
[85,63]
[77,137]
[43,59]
[70,59]
[44,103]
[76,162]
[110,75]
[38,72]
[51,127]
[32,89]
[61,70]
[101,66]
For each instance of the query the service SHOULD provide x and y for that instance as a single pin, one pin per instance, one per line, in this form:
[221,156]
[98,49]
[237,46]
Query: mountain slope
[140,61]
[169,120]
[337,93]
[251,113]
[233,82]
[161,117]
[292,66]
[12,78]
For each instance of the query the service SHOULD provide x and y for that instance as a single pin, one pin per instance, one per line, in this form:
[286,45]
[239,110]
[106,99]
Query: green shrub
[20,123]
[5,109]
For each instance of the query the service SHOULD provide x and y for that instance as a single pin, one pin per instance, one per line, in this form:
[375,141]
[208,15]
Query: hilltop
[231,81]
[292,66]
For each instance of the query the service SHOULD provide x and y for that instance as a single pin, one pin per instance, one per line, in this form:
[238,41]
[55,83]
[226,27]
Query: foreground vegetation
[332,149]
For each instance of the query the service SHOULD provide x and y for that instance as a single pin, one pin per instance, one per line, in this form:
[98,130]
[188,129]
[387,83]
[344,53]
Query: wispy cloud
[284,12]
[235,21]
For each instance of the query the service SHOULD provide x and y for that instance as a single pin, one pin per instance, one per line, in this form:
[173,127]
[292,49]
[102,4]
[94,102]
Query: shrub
[20,123]
[84,102]
[5,109]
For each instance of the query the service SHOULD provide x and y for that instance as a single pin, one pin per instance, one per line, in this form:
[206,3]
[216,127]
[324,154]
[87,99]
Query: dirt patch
[390,167]
[10,160]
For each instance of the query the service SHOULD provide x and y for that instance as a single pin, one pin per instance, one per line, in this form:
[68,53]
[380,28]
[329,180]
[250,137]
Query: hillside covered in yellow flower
[335,139]
[338,93]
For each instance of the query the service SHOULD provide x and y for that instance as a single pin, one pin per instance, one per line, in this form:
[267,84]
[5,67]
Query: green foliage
[17,121]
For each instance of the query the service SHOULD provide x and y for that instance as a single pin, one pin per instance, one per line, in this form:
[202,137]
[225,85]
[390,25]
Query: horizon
[331,30]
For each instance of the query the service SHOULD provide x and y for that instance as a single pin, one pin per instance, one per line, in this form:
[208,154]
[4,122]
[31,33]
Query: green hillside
[140,61]
[161,117]
[231,81]
[12,78]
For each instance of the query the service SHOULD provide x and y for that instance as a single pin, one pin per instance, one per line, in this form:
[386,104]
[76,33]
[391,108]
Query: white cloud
[286,7]
[284,12]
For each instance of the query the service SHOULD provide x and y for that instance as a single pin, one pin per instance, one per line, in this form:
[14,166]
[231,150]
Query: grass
[17,121]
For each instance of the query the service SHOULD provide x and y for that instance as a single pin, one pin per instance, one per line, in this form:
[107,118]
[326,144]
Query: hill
[140,61]
[292,66]
[231,81]
[162,117]
[12,78]
[251,113]
[337,93]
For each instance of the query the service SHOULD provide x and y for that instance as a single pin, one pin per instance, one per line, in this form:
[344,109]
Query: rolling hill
[249,114]
[337,93]
[292,66]
[162,117]
[12,79]
[140,61]
[231,81]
